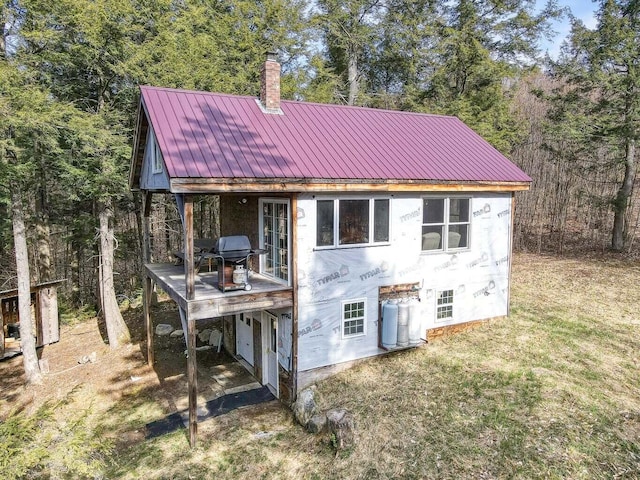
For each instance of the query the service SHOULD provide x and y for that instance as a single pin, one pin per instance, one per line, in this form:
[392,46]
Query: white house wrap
[478,276]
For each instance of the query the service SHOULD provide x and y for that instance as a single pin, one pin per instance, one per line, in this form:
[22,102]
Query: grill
[233,254]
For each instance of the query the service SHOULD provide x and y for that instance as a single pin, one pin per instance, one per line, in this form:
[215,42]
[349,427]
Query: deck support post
[193,380]
[189,267]
[192,369]
[147,291]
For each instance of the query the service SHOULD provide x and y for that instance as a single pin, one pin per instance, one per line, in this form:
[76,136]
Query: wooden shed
[44,314]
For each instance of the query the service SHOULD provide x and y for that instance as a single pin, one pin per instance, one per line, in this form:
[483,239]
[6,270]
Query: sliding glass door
[274,238]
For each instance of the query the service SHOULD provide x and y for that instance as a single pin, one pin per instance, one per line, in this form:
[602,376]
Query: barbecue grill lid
[233,243]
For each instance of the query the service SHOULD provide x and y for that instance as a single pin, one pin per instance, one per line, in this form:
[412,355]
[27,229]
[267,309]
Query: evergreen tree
[484,44]
[600,107]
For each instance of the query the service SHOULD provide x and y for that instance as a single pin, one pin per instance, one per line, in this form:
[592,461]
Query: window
[445,223]
[156,156]
[352,222]
[444,310]
[353,318]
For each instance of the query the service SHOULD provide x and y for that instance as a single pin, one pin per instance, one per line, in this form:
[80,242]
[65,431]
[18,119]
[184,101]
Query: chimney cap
[272,55]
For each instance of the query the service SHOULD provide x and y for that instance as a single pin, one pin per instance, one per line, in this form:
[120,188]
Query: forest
[70,71]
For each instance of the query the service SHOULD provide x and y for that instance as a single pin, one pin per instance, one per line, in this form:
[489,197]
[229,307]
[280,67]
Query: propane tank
[403,324]
[389,323]
[414,323]
[239,275]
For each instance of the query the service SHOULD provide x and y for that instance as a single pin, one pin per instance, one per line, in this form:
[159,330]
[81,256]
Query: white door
[244,337]
[271,362]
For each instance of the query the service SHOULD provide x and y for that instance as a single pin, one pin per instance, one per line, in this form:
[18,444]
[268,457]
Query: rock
[305,406]
[317,423]
[215,337]
[163,329]
[341,425]
[203,348]
[203,336]
[177,333]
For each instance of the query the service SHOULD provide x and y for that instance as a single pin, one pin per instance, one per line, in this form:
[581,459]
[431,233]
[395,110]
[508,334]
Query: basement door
[244,336]
[270,323]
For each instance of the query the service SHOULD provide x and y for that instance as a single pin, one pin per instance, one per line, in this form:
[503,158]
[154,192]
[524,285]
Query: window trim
[276,200]
[343,320]
[444,305]
[446,222]
[336,222]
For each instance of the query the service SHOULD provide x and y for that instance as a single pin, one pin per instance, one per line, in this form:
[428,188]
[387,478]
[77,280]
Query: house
[352,207]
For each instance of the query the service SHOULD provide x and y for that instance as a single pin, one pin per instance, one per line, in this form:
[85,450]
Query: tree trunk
[352,60]
[27,338]
[117,330]
[622,198]
[43,237]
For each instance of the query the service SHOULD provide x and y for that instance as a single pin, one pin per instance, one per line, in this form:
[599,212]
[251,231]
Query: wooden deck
[209,301]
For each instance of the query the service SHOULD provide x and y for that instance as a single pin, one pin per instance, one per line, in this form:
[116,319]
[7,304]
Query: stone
[341,426]
[163,329]
[203,336]
[215,337]
[177,333]
[305,406]
[317,423]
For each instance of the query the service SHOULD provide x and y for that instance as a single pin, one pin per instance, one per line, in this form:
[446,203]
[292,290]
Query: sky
[582,9]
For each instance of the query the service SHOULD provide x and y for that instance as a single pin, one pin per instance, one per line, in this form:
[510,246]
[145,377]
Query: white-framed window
[274,238]
[352,221]
[156,155]
[444,307]
[446,223]
[353,317]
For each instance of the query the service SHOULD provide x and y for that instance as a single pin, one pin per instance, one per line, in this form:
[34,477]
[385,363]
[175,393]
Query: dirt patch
[120,374]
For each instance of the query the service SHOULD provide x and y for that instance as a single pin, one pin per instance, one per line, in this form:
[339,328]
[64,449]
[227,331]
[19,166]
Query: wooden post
[189,267]
[147,291]
[294,307]
[192,372]
[513,216]
[1,330]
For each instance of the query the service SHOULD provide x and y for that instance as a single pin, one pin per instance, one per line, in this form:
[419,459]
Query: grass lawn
[551,392]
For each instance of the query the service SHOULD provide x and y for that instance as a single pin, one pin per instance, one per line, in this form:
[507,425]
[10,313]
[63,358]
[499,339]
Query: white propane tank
[239,275]
[403,324]
[389,324]
[415,322]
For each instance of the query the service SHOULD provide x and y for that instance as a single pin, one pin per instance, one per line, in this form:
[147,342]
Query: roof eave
[297,185]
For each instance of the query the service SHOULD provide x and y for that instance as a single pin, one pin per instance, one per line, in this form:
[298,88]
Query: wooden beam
[239,185]
[147,284]
[511,233]
[192,373]
[147,292]
[199,310]
[1,332]
[189,267]
[294,307]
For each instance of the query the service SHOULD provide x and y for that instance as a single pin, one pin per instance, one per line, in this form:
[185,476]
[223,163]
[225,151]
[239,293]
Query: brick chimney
[270,84]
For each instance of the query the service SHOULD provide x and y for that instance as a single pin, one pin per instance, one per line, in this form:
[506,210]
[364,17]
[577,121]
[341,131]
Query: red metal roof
[209,135]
